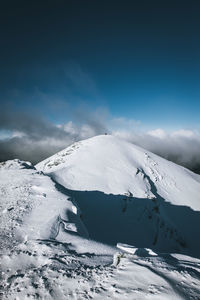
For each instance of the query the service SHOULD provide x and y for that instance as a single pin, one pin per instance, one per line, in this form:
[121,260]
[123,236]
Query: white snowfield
[104,222]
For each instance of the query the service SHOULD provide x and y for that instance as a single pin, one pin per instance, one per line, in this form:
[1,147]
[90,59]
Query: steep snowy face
[113,166]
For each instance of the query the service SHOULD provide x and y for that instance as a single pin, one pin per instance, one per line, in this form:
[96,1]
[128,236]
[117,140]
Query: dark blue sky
[138,59]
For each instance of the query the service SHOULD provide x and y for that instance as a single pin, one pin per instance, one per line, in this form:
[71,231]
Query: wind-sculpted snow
[31,206]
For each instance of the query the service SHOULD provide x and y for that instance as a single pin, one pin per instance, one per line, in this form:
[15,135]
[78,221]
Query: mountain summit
[129,195]
[114,166]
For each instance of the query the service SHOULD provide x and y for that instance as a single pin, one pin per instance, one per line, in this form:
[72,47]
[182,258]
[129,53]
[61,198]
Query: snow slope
[52,230]
[39,228]
[42,258]
[111,165]
[130,195]
[31,206]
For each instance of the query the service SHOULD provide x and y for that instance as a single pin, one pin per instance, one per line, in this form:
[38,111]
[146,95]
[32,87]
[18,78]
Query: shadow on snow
[141,222]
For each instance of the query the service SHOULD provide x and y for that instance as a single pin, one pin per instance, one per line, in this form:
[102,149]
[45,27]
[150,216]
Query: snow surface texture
[51,248]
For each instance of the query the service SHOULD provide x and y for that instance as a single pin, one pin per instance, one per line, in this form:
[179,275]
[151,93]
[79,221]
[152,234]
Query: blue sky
[138,61]
[73,69]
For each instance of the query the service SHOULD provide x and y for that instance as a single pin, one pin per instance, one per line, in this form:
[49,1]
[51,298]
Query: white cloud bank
[182,146]
[33,138]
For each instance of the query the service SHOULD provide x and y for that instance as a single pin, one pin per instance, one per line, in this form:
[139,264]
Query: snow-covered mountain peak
[114,166]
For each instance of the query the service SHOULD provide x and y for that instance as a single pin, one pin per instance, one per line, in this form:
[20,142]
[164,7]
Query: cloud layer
[181,147]
[32,138]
